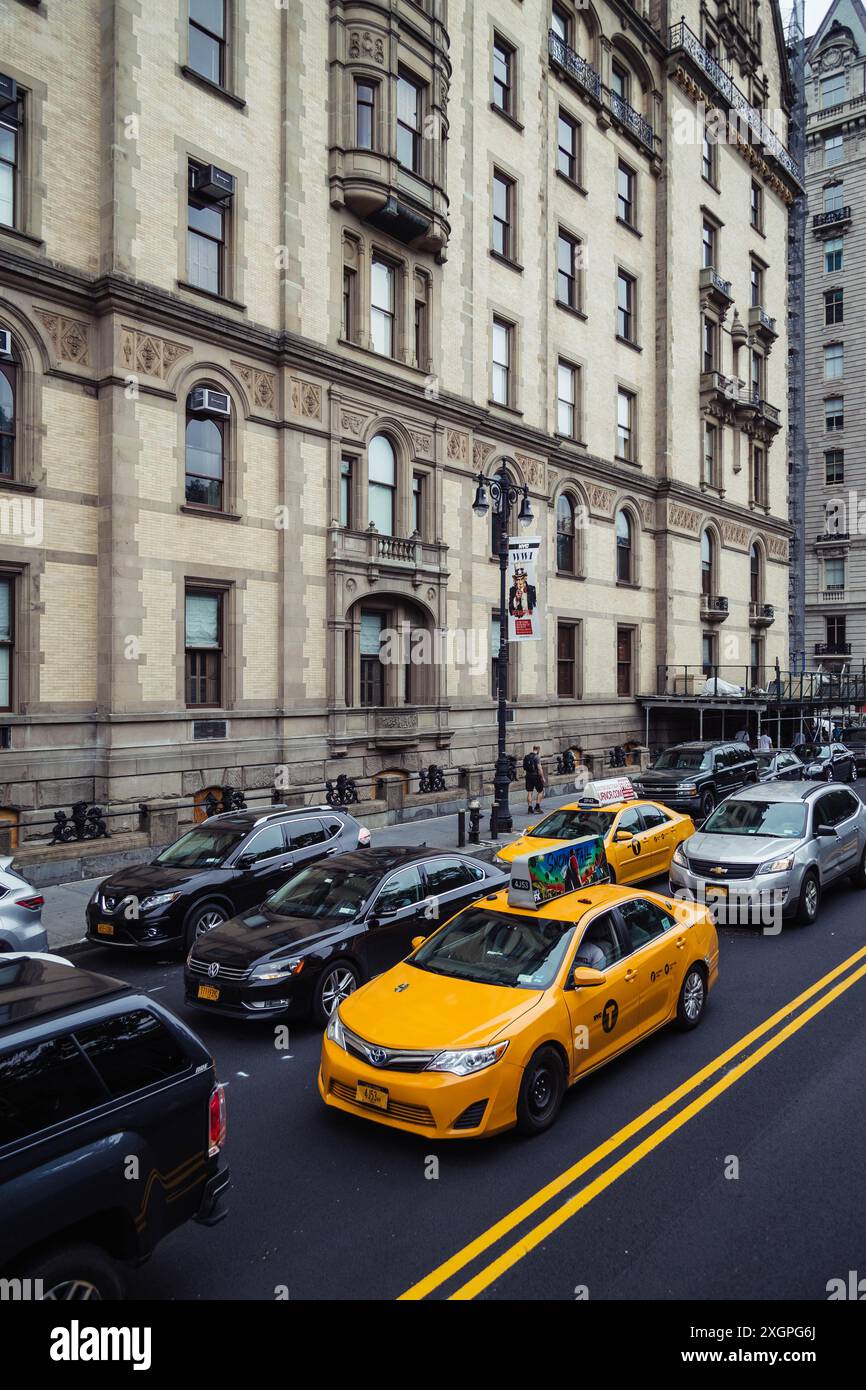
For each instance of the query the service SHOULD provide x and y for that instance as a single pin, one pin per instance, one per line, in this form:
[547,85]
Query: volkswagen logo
[213,970]
[377,1055]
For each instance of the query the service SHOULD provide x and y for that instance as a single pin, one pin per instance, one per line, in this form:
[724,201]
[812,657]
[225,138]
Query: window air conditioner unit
[5,343]
[211,182]
[211,402]
[8,90]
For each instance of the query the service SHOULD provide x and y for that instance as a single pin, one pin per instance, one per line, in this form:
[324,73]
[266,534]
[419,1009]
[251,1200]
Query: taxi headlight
[678,857]
[777,866]
[334,1031]
[466,1060]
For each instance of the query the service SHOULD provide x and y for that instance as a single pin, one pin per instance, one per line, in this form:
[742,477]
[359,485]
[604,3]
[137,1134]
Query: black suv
[111,1128]
[693,777]
[228,864]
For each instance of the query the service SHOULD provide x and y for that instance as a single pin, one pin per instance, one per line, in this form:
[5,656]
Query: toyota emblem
[213,970]
[377,1056]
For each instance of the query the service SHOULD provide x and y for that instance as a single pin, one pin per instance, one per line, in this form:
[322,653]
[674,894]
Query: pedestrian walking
[535,778]
[765,743]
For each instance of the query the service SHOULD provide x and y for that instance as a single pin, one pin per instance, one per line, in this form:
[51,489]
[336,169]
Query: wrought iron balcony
[632,120]
[681,39]
[716,292]
[714,608]
[763,326]
[832,648]
[717,385]
[831,537]
[582,72]
[751,404]
[761,614]
[831,221]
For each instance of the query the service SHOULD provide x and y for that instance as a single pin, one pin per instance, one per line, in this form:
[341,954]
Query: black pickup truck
[111,1130]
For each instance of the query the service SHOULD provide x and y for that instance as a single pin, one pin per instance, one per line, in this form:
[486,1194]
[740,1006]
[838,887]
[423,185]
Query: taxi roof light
[606,792]
[546,875]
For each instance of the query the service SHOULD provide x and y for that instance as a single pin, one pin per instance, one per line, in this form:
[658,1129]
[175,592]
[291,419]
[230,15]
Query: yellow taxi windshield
[566,824]
[497,948]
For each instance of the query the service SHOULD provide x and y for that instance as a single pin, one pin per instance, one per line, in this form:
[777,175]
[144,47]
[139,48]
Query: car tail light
[33,904]
[364,837]
[216,1120]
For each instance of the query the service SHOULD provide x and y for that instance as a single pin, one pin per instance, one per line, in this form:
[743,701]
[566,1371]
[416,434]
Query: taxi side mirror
[584,977]
[418,941]
[528,829]
[623,835]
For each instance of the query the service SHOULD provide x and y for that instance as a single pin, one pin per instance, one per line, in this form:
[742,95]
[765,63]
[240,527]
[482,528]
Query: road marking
[508,1223]
[526,1243]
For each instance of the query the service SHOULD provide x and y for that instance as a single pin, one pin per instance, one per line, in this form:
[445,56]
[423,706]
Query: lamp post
[503,494]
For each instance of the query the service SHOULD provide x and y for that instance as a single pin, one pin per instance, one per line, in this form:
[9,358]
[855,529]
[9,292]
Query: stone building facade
[835,354]
[280,279]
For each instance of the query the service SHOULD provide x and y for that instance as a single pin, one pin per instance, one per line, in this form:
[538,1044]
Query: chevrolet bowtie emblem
[717,869]
[398,989]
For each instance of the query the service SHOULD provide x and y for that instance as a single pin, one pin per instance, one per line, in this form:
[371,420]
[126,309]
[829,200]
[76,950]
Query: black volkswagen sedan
[328,929]
[226,865]
[778,765]
[827,762]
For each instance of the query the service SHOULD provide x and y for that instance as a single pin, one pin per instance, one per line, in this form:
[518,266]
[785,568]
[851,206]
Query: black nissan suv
[694,777]
[227,864]
[111,1129]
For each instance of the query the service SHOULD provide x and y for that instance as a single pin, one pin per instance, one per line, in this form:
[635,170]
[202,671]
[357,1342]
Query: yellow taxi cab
[639,836]
[516,998]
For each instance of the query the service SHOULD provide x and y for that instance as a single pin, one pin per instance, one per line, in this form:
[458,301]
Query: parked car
[21,906]
[95,1078]
[329,928]
[694,777]
[779,765]
[228,864]
[855,740]
[827,762]
[777,846]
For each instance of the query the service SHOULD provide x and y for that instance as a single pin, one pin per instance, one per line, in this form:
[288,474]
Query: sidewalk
[63,913]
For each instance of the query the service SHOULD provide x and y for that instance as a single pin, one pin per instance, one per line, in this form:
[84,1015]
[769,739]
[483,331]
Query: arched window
[494,522]
[624,548]
[708,564]
[755,574]
[205,451]
[566,556]
[381,484]
[8,389]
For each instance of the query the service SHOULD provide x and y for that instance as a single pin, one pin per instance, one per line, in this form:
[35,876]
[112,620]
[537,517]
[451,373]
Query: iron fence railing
[761,683]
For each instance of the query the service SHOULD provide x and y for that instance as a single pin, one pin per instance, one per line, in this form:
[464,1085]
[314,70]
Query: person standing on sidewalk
[534,778]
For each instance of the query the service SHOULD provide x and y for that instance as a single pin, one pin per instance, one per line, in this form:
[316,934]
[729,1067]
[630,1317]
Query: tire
[693,998]
[73,1273]
[810,899]
[201,918]
[858,877]
[336,982]
[541,1090]
[708,804]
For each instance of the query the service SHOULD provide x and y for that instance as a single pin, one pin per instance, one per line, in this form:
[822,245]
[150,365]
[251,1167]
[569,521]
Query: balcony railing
[632,120]
[715,287]
[832,648]
[836,217]
[761,322]
[834,595]
[831,537]
[761,613]
[714,607]
[682,38]
[565,57]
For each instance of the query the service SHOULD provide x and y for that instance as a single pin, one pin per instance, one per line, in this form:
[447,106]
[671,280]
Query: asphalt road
[746,1185]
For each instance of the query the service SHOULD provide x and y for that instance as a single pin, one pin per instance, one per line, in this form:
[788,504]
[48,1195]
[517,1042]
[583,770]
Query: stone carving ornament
[69,337]
[364,44]
[149,354]
[261,385]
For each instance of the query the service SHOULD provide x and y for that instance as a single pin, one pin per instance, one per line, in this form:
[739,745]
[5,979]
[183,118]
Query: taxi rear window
[571,825]
[496,948]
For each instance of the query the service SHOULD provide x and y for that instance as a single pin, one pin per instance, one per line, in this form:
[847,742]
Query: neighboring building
[835,351]
[278,279]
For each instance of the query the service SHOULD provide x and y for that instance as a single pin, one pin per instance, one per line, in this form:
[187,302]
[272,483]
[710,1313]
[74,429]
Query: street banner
[524,609]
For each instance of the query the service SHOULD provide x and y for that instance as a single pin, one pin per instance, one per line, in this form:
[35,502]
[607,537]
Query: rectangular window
[710,344]
[7,640]
[711,450]
[625,442]
[365,115]
[834,466]
[708,244]
[348,317]
[619,81]
[418,503]
[834,361]
[756,284]
[832,90]
[757,206]
[560,23]
[836,631]
[503,214]
[708,653]
[382,311]
[409,124]
[371,668]
[10,155]
[381,486]
[567,148]
[502,343]
[834,307]
[624,660]
[566,270]
[347,466]
[566,399]
[206,245]
[207,39]
[625,306]
[626,180]
[204,639]
[834,413]
[422,345]
[757,376]
[708,157]
[834,150]
[833,255]
[567,685]
[503,75]
[759,476]
[834,574]
[834,197]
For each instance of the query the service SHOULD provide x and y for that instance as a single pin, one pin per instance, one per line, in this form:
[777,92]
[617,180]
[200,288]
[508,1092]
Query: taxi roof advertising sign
[607,791]
[539,878]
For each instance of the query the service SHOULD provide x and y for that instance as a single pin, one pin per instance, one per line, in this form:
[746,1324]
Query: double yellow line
[533,1237]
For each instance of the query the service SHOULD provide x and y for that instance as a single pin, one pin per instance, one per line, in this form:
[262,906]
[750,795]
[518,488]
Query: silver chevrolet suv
[770,851]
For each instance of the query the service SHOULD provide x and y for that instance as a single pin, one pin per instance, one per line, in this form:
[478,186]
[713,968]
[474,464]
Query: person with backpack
[534,778]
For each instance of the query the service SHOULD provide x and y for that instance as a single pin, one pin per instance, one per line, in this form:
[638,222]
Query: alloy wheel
[208,921]
[336,987]
[811,897]
[71,1291]
[693,995]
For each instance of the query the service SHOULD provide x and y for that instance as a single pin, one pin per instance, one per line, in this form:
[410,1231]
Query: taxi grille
[412,1114]
[225,972]
[472,1116]
[386,1058]
[704,868]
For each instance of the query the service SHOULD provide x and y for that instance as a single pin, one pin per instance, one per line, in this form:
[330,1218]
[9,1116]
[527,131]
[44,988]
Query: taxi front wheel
[541,1092]
[693,998]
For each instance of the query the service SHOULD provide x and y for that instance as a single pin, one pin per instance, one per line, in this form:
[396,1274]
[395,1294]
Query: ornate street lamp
[503,494]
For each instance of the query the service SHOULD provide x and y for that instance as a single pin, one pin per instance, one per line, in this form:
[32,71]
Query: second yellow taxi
[639,836]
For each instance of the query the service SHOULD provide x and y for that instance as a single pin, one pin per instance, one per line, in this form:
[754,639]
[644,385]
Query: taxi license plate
[371,1095]
[716,892]
[208,992]
[104,929]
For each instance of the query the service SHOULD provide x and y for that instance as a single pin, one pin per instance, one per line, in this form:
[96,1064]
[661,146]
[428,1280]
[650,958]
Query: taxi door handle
[629,976]
[680,943]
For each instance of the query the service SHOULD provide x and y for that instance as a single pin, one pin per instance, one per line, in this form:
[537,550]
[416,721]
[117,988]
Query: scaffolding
[797,455]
